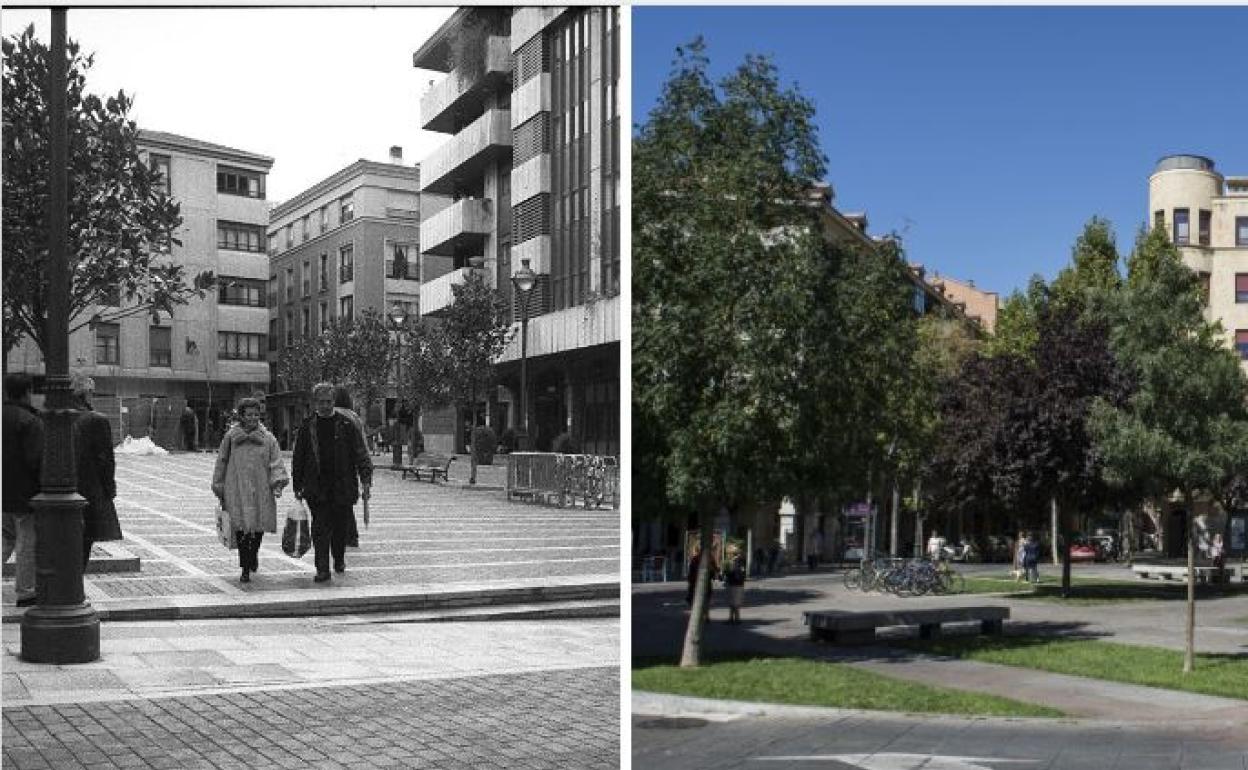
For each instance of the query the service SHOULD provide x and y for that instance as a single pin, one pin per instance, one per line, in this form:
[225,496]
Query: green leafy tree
[1092,275]
[478,332]
[1017,323]
[371,357]
[121,224]
[724,246]
[1186,426]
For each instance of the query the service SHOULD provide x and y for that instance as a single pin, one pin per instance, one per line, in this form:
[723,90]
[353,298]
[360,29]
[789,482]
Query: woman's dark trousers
[249,549]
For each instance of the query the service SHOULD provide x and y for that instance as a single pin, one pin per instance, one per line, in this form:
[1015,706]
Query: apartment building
[211,351]
[529,175]
[347,244]
[1206,215]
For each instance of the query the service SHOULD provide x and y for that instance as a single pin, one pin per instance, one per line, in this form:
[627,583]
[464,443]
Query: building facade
[211,351]
[530,176]
[1206,216]
[347,244]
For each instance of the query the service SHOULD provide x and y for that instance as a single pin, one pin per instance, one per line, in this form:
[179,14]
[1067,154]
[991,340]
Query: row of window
[232,346]
[346,213]
[346,309]
[1181,231]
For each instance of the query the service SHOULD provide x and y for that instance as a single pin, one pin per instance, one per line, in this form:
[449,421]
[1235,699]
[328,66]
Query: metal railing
[592,481]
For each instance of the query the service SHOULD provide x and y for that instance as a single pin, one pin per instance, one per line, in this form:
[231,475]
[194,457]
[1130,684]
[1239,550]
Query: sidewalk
[429,548]
[772,625]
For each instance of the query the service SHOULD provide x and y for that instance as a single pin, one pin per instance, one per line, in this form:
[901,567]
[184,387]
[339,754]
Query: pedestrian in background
[96,468]
[23,458]
[189,424]
[329,458]
[734,580]
[343,406]
[1031,558]
[248,479]
[1019,546]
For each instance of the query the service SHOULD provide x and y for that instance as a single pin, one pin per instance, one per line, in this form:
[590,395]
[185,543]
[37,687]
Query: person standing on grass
[1031,559]
[97,469]
[248,478]
[23,458]
[329,458]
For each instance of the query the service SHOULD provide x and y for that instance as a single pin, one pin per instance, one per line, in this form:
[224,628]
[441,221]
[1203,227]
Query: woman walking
[248,478]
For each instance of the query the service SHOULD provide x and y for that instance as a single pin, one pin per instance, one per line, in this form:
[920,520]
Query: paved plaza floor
[521,669]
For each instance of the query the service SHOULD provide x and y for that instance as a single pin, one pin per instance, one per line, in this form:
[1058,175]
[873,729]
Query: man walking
[329,458]
[23,458]
[97,467]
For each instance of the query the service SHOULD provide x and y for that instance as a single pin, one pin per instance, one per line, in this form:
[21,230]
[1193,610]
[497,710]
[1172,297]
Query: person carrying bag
[247,479]
[297,536]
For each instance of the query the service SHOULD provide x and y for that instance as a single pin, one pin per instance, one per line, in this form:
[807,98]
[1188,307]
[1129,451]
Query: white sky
[313,88]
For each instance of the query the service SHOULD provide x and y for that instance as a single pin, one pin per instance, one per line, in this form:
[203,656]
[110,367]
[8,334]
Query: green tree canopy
[121,224]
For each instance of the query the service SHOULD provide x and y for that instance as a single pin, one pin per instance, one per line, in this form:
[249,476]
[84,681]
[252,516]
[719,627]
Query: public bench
[431,465]
[842,627]
[1204,574]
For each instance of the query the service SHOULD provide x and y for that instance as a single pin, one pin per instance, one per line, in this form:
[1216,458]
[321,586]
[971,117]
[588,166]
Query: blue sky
[987,136]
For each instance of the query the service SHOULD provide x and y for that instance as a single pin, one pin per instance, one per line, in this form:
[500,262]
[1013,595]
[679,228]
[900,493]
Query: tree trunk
[1055,530]
[1189,654]
[691,654]
[1064,531]
[868,540]
[894,521]
[918,521]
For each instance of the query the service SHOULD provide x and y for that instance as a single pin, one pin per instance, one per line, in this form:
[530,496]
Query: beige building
[979,305]
[211,351]
[1206,216]
[530,174]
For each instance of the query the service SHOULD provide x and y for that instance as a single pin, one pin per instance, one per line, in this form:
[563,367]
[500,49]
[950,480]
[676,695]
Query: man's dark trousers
[330,523]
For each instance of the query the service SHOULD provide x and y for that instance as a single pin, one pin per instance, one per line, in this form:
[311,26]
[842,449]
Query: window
[240,237]
[346,263]
[1159,218]
[324,316]
[324,284]
[107,343]
[290,328]
[1241,231]
[1241,287]
[346,307]
[1241,343]
[346,209]
[273,291]
[272,334]
[1205,225]
[305,328]
[402,265]
[272,244]
[160,346]
[307,278]
[290,235]
[290,284]
[160,164]
[305,227]
[240,346]
[233,181]
[1181,227]
[247,292]
[324,218]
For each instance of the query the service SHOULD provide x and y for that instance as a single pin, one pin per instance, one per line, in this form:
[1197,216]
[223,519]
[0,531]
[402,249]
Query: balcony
[464,91]
[467,155]
[437,295]
[459,228]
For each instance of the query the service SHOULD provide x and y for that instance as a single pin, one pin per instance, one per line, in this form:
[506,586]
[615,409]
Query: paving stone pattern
[554,719]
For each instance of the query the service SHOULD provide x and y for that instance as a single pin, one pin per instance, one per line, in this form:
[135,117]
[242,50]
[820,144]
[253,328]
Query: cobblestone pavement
[553,719]
[422,535]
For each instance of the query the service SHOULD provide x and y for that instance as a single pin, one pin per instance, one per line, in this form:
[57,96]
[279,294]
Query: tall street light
[523,280]
[64,627]
[398,317]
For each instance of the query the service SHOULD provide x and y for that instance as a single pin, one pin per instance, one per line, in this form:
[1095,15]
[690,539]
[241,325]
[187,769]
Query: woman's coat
[249,463]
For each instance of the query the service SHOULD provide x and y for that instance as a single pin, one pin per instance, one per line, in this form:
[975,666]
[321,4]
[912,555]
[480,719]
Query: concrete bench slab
[843,627]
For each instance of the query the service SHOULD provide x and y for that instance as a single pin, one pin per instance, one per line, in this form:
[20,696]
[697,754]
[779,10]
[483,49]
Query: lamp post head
[524,278]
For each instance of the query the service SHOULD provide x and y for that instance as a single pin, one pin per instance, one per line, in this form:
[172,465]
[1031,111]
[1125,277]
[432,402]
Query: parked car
[1083,551]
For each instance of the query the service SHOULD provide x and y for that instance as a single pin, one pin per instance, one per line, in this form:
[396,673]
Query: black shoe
[28,601]
[321,577]
[245,577]
[353,543]
[340,567]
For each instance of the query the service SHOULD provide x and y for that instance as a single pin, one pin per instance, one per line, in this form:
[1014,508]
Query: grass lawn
[1086,590]
[1225,675]
[799,681]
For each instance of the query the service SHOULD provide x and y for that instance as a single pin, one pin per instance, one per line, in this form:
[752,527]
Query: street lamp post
[63,627]
[523,280]
[398,316]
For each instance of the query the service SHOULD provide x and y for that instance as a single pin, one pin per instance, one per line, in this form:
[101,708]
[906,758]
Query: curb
[306,603]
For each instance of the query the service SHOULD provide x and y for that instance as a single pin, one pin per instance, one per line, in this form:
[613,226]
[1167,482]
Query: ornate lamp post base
[63,627]
[61,634]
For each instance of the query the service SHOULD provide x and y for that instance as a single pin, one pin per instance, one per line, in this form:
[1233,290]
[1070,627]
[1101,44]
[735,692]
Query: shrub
[483,444]
[564,445]
[508,440]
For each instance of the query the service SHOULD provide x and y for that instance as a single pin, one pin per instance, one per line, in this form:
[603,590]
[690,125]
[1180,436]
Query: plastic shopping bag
[225,529]
[297,536]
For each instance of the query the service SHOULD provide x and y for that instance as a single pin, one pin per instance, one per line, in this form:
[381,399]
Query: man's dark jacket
[23,456]
[350,459]
[97,479]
